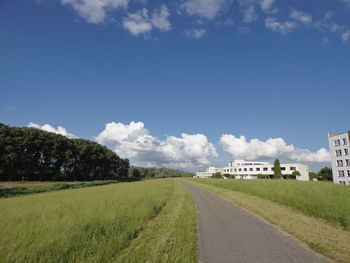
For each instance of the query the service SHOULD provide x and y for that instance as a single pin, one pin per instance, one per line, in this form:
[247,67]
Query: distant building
[249,170]
[339,150]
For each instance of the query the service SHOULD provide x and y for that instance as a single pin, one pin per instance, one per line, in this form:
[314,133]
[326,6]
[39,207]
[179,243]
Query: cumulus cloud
[133,141]
[279,27]
[255,149]
[141,22]
[204,8]
[49,128]
[300,16]
[95,11]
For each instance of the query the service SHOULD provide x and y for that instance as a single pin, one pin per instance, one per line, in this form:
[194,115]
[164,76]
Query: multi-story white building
[249,170]
[339,150]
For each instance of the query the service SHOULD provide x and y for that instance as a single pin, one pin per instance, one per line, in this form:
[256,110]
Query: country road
[228,233]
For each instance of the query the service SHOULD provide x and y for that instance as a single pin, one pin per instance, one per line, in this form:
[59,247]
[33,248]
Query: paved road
[227,233]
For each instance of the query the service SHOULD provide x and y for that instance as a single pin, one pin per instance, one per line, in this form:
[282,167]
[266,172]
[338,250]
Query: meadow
[15,188]
[324,200]
[99,224]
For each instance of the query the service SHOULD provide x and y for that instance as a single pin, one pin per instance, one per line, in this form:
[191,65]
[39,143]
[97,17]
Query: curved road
[227,233]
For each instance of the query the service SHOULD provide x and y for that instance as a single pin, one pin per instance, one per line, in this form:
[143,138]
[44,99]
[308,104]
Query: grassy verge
[9,189]
[319,199]
[170,237]
[83,225]
[331,240]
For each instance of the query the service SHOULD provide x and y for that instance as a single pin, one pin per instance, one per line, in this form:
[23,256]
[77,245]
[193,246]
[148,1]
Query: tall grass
[319,199]
[83,225]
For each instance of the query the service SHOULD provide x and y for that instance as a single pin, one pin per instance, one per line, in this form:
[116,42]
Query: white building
[339,150]
[249,170]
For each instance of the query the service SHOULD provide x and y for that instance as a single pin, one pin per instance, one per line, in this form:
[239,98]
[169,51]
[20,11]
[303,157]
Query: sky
[184,84]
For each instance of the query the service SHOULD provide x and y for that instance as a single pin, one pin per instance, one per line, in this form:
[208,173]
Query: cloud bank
[134,141]
[189,151]
[256,149]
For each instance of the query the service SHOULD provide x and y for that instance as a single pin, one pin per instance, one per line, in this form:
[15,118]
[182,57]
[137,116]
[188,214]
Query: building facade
[339,150]
[249,170]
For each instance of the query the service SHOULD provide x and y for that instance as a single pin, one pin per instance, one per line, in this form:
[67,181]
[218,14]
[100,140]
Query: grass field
[8,189]
[319,199]
[98,224]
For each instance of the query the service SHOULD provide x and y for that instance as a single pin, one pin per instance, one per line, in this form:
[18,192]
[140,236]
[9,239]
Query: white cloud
[345,36]
[95,11]
[196,33]
[249,11]
[255,149]
[249,14]
[280,27]
[141,22]
[266,5]
[160,18]
[49,128]
[300,16]
[204,8]
[133,141]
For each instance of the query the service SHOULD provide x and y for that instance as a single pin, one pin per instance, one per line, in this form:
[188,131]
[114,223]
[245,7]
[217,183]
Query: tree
[295,174]
[277,169]
[325,174]
[313,175]
[216,175]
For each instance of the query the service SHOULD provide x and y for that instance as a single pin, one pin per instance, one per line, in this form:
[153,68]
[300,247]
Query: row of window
[340,163]
[341,173]
[337,142]
[258,169]
[340,153]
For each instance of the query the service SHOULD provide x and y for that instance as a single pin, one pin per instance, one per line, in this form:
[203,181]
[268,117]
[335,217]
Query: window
[245,169]
[272,169]
[339,163]
[347,161]
[293,168]
[250,169]
[344,141]
[348,172]
[341,173]
[283,168]
[265,169]
[235,169]
[338,153]
[342,182]
[346,152]
[336,142]
[258,169]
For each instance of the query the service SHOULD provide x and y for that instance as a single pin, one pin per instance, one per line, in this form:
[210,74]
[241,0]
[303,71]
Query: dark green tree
[216,175]
[277,169]
[325,174]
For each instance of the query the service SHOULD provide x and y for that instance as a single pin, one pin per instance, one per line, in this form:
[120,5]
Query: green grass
[8,189]
[319,199]
[96,224]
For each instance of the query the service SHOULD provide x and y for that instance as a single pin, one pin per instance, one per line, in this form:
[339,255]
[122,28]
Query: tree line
[31,154]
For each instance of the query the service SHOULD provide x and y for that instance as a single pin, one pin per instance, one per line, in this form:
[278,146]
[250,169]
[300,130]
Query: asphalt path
[228,233]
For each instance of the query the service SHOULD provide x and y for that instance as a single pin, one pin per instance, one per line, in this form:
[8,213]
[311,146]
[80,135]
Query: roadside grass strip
[91,224]
[330,240]
[169,237]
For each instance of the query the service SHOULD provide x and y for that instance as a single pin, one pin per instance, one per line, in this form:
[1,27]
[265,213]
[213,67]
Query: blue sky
[186,72]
